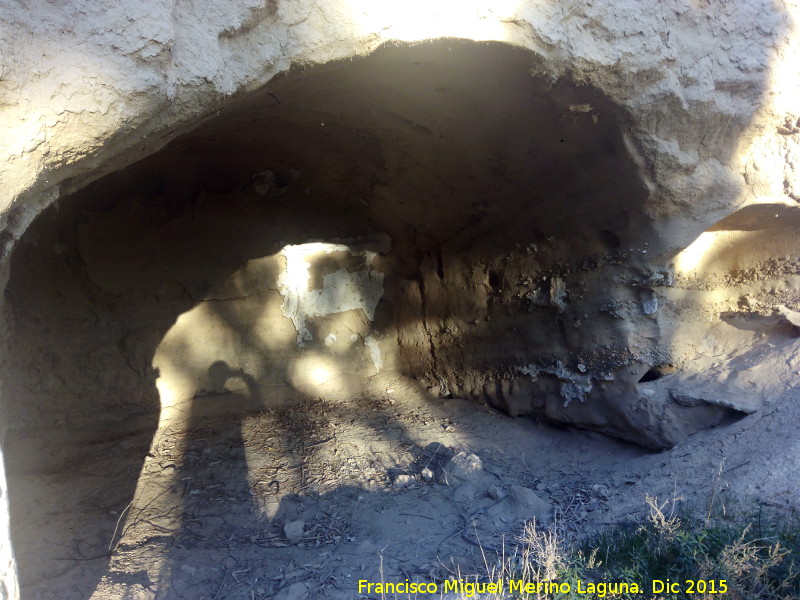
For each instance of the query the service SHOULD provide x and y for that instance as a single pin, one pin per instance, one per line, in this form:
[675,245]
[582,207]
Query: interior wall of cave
[431,210]
[595,237]
[396,213]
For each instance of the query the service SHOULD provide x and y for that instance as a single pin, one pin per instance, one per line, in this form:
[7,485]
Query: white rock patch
[374,351]
[341,291]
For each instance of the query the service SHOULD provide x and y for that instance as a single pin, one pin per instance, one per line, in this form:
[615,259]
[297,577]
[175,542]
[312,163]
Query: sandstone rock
[522,503]
[294,530]
[464,467]
[403,481]
[791,316]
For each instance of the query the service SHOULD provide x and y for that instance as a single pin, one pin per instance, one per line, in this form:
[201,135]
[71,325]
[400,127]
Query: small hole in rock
[655,373]
[610,240]
[495,280]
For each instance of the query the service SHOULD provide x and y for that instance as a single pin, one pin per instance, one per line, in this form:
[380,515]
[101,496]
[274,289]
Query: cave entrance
[187,329]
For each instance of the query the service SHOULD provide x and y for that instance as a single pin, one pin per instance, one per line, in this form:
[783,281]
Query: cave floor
[303,501]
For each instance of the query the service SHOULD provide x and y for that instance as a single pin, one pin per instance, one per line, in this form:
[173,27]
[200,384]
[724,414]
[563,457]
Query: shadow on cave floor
[215,495]
[212,506]
[214,498]
[68,492]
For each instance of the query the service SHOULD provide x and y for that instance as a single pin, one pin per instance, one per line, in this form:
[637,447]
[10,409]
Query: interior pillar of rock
[9,589]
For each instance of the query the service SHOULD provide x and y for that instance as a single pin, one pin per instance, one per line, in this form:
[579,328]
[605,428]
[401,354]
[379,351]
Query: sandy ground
[305,500]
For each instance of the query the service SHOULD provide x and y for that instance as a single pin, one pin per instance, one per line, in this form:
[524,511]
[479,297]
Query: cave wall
[708,86]
[691,105]
[227,216]
[434,210]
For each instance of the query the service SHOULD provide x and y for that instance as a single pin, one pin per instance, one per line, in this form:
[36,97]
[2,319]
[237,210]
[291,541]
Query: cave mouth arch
[470,213]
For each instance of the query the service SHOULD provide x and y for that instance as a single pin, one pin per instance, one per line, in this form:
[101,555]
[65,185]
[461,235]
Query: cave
[442,221]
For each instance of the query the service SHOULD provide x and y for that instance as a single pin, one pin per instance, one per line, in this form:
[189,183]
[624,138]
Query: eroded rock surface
[452,211]
[589,216]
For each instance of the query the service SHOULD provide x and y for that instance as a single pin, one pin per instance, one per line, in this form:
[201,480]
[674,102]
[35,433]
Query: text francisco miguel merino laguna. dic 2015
[595,589]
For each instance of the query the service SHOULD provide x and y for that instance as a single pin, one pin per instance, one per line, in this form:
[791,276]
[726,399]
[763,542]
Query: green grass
[756,555]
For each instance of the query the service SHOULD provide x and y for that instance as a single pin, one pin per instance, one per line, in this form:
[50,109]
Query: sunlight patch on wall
[743,241]
[693,256]
[316,374]
[344,289]
[417,20]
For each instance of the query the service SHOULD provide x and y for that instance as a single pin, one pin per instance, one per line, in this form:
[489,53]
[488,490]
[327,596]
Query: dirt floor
[305,500]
